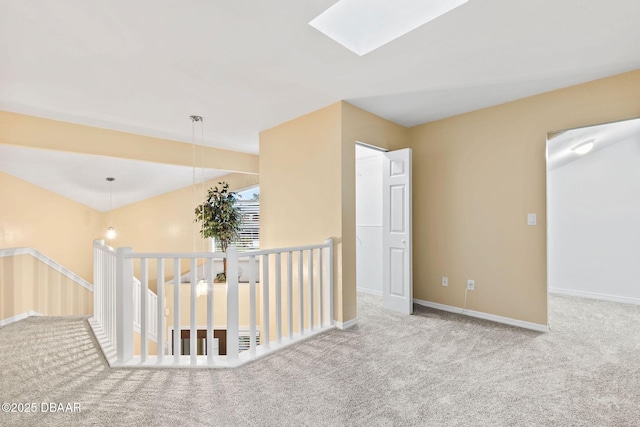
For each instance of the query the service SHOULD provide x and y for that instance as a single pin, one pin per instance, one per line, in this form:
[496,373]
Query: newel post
[232,305]
[98,273]
[124,305]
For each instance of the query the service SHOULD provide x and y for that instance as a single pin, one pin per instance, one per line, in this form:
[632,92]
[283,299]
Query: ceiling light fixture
[364,25]
[111,232]
[583,147]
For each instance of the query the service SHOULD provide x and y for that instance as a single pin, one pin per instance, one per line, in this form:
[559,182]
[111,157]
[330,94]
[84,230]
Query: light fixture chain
[110,229]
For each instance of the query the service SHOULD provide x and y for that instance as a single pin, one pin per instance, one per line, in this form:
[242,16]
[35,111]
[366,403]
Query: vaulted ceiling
[144,66]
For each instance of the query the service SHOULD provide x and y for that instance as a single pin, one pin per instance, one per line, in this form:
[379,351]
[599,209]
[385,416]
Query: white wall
[369,221]
[594,224]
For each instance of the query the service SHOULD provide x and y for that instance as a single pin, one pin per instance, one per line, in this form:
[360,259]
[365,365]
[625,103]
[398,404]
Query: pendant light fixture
[111,232]
[201,284]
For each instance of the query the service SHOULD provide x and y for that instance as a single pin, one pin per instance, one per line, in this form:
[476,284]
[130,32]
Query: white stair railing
[104,298]
[283,303]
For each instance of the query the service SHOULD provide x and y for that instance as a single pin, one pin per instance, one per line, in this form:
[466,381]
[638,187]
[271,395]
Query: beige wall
[64,230]
[307,182]
[27,284]
[300,184]
[359,126]
[58,227]
[477,175]
[165,223]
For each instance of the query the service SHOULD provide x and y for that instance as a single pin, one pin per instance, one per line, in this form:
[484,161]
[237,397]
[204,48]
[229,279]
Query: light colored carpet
[432,369]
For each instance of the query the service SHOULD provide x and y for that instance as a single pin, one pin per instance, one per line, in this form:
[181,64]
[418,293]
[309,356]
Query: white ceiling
[144,66]
[559,146]
[82,178]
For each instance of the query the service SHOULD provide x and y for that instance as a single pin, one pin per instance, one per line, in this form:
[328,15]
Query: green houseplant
[220,219]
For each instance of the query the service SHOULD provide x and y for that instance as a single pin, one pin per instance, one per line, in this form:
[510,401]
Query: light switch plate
[532,219]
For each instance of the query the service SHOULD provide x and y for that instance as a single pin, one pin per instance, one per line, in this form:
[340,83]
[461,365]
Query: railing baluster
[96,284]
[111,296]
[265,300]
[124,312]
[112,299]
[278,298]
[210,338]
[290,294]
[144,291]
[311,301]
[160,310]
[114,305]
[320,293]
[232,305]
[110,303]
[114,291]
[329,276]
[252,305]
[301,292]
[176,311]
[193,330]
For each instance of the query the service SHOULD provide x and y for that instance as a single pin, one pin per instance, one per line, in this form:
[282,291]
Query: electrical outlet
[471,285]
[445,281]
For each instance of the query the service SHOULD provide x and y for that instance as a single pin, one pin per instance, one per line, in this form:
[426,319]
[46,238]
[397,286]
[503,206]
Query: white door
[397,274]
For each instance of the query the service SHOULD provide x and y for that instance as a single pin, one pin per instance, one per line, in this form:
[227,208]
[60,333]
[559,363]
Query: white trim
[372,147]
[485,316]
[595,295]
[107,349]
[18,317]
[347,324]
[48,262]
[369,291]
[220,361]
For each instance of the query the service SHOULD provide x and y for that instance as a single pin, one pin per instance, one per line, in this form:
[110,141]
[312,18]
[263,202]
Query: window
[249,205]
[220,341]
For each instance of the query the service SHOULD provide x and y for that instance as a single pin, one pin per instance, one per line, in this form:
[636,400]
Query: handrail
[189,255]
[48,262]
[132,255]
[257,252]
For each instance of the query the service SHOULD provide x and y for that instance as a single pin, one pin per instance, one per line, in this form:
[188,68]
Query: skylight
[364,25]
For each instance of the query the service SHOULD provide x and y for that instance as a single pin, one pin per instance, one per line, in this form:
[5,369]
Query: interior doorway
[384,226]
[369,162]
[593,203]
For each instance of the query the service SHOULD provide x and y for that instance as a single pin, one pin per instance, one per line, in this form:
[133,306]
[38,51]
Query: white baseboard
[485,316]
[347,324]
[369,291]
[18,317]
[594,295]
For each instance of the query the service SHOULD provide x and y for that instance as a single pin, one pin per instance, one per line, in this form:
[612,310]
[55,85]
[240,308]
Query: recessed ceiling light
[364,25]
[583,147]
